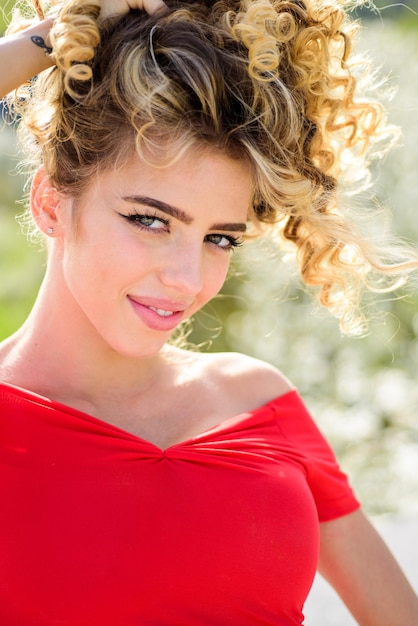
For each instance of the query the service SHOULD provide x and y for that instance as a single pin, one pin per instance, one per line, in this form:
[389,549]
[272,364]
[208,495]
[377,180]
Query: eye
[224,242]
[146,222]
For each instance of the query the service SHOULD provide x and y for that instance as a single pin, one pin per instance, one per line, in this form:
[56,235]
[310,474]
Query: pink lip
[154,320]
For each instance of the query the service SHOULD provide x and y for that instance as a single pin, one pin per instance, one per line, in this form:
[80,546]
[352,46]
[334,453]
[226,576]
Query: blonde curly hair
[266,81]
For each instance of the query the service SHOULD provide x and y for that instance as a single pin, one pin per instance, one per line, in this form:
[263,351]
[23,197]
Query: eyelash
[135,218]
[233,242]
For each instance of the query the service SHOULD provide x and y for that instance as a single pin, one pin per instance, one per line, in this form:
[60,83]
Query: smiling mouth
[153,313]
[161,312]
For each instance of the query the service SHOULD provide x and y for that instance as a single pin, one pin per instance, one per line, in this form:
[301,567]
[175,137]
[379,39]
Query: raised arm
[357,563]
[20,58]
[26,53]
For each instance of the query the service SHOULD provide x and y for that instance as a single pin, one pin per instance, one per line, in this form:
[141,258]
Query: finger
[113,8]
[155,5]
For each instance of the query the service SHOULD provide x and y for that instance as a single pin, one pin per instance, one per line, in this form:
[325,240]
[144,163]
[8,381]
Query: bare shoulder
[237,379]
[246,369]
[248,382]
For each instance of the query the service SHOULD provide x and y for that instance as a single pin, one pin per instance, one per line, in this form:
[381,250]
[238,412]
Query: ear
[44,201]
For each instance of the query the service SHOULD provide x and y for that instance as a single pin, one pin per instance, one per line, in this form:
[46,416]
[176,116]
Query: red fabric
[99,527]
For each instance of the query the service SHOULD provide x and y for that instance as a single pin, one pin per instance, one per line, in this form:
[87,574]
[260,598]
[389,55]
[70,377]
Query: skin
[21,59]
[83,317]
[107,270]
[126,251]
[357,563]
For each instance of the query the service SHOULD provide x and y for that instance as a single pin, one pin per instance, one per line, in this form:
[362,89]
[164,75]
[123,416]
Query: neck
[58,354]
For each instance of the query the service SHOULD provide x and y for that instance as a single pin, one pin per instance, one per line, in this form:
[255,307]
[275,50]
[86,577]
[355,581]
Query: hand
[119,7]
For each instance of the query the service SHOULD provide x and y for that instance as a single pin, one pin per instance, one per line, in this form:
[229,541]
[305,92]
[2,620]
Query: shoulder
[253,380]
[245,369]
[250,382]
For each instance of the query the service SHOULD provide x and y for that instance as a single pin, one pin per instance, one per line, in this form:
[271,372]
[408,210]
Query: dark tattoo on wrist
[38,41]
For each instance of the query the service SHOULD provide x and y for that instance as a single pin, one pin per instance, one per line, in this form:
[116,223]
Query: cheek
[90,269]
[216,276]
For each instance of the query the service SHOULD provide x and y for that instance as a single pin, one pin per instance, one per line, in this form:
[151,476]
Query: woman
[142,483]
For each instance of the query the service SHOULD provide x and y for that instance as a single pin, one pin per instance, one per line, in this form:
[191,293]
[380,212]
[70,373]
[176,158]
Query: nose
[182,269]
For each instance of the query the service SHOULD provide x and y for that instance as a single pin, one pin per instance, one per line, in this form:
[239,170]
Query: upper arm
[357,563]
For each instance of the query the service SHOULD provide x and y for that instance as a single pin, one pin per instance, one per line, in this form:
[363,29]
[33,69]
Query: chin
[133,352]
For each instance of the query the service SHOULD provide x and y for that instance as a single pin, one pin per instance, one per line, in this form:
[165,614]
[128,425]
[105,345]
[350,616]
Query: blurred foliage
[384,10]
[404,13]
[5,9]
[21,266]
[362,392]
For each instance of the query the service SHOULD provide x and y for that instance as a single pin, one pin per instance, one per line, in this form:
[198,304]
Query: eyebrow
[181,215]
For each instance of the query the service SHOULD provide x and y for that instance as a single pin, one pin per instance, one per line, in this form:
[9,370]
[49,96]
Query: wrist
[38,35]
[40,29]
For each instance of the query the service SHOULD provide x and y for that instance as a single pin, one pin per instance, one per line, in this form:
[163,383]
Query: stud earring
[50,231]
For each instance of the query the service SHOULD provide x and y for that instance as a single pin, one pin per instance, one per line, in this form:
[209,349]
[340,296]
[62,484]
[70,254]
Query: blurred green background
[362,392]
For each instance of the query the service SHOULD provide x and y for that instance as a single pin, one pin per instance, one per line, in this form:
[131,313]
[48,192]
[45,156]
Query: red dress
[101,528]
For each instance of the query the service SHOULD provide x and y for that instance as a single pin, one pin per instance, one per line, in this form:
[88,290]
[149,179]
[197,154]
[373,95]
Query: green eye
[224,242]
[147,222]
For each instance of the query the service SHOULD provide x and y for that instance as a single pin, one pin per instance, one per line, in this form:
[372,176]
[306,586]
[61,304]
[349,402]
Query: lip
[151,317]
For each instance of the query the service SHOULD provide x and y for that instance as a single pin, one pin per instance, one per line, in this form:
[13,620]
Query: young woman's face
[152,246]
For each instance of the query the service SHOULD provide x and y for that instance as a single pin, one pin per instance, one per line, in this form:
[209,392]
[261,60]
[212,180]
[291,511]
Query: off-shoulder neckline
[224,425]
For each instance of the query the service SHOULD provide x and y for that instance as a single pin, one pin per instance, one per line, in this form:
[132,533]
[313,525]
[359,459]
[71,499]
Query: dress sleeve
[330,487]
